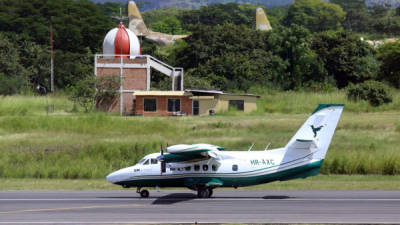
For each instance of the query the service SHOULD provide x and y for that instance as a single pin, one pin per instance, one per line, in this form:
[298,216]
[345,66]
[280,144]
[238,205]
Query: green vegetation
[73,145]
[313,44]
[315,15]
[374,92]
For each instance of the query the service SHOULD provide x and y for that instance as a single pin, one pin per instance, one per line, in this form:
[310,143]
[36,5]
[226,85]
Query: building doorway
[196,107]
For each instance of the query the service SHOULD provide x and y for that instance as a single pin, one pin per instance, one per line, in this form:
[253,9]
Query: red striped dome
[120,41]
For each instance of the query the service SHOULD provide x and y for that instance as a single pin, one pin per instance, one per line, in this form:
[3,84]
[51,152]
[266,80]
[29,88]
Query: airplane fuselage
[232,169]
[203,167]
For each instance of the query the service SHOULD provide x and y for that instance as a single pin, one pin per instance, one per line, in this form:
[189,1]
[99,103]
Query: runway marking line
[70,208]
[209,199]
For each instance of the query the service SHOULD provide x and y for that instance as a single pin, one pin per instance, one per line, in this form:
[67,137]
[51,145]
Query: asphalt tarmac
[123,207]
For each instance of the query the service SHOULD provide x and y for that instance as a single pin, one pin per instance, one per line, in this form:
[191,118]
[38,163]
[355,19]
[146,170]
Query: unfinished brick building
[121,58]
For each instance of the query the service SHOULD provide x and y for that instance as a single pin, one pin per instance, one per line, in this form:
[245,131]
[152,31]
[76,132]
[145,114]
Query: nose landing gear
[143,193]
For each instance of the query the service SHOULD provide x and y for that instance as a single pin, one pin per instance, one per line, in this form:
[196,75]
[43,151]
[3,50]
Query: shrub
[376,93]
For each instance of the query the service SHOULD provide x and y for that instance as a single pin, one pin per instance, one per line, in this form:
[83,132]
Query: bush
[376,93]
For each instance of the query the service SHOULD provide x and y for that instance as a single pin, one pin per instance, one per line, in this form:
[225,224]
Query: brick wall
[133,79]
[162,105]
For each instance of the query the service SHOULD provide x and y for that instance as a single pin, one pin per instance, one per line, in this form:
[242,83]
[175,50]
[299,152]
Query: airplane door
[156,166]
[146,167]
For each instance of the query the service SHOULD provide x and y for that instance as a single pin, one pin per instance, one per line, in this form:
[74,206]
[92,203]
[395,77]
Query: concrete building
[190,102]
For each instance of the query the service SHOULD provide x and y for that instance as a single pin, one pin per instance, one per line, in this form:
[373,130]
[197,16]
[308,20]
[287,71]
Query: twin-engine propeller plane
[203,167]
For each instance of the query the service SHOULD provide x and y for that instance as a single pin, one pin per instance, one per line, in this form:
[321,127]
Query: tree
[376,93]
[169,25]
[13,76]
[220,14]
[83,93]
[389,55]
[348,5]
[235,57]
[346,57]
[76,24]
[315,15]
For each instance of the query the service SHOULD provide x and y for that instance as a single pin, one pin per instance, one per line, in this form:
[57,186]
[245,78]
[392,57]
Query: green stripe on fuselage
[311,169]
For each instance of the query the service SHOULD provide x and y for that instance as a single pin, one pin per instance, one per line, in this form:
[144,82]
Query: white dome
[120,41]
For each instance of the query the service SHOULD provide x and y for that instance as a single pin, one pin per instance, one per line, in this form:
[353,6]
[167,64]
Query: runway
[233,206]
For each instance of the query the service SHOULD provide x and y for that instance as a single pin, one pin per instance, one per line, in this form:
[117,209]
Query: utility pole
[51,59]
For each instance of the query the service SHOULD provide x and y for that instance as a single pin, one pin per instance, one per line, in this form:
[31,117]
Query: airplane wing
[162,38]
[196,152]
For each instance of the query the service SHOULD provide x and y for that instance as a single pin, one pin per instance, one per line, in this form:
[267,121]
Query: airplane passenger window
[172,169]
[154,161]
[235,167]
[180,169]
[146,163]
[205,167]
[196,167]
[187,168]
[214,167]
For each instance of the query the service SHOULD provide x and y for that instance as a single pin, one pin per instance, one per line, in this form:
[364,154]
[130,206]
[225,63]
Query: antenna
[120,18]
[251,147]
[266,148]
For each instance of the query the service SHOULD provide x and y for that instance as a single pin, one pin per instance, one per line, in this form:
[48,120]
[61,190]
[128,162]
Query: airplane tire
[144,194]
[203,193]
[210,192]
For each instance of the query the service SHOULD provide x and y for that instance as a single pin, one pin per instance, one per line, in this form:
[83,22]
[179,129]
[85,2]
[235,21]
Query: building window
[150,105]
[174,105]
[238,104]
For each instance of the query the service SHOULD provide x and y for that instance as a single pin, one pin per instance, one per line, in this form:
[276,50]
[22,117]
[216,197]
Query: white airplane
[203,167]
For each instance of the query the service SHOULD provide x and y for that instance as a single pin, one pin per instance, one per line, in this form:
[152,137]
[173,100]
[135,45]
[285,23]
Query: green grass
[321,182]
[67,145]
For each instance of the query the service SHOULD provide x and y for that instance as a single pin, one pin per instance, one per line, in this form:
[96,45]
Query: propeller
[163,164]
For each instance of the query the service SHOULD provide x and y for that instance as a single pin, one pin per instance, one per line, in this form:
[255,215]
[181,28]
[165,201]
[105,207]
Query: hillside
[194,4]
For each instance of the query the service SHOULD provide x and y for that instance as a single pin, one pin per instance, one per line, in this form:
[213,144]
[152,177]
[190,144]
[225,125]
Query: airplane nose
[118,176]
[112,177]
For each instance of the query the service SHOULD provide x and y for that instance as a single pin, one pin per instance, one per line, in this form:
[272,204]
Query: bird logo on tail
[316,129]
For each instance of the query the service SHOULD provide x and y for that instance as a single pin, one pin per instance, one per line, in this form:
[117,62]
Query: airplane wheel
[144,194]
[203,193]
[210,192]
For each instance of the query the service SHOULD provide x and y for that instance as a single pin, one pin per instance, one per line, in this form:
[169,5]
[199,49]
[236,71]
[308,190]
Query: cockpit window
[146,163]
[141,161]
[154,161]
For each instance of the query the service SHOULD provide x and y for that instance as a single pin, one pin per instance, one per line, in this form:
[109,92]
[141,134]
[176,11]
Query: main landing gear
[204,192]
[143,193]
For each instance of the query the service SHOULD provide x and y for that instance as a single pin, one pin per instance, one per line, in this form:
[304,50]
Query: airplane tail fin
[316,133]
[136,23]
[262,22]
